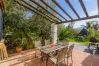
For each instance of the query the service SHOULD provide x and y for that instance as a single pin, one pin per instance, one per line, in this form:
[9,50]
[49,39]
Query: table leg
[42,56]
[47,57]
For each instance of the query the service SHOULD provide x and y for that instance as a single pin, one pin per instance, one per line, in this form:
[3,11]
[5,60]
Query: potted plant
[19,45]
[18,49]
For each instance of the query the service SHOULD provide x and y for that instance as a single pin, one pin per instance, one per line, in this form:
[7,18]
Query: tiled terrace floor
[27,59]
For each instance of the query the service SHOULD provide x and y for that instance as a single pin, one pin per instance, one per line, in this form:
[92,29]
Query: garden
[81,34]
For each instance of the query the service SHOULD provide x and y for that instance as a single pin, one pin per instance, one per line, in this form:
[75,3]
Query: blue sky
[91,6]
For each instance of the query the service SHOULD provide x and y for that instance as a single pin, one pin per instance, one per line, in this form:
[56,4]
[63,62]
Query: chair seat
[54,59]
[67,56]
[53,54]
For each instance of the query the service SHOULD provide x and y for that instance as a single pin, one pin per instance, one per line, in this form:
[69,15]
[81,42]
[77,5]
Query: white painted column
[54,32]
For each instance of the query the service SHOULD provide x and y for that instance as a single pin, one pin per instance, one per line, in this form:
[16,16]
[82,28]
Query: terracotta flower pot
[18,49]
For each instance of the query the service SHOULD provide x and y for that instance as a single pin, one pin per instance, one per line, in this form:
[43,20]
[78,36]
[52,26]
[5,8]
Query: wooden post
[2,10]
[1,23]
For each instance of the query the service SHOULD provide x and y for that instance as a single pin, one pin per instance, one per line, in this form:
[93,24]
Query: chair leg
[42,57]
[89,46]
[57,64]
[72,59]
[64,62]
[35,54]
[67,61]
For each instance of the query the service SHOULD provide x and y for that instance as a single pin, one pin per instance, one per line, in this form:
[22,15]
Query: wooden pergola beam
[45,9]
[2,5]
[53,9]
[84,8]
[85,18]
[34,11]
[39,11]
[62,9]
[67,1]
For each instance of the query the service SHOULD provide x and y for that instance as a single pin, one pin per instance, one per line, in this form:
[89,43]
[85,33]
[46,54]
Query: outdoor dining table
[46,50]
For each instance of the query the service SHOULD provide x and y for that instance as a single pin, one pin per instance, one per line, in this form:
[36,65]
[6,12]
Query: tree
[35,27]
[90,28]
[15,22]
[41,26]
[67,32]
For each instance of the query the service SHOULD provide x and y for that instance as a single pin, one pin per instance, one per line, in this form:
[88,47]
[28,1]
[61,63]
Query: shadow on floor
[92,50]
[91,60]
[38,62]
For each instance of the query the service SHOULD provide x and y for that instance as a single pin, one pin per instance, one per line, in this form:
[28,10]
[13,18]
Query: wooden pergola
[2,5]
[29,4]
[58,17]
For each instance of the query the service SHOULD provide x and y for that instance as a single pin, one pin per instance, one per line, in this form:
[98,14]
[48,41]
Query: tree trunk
[1,23]
[43,41]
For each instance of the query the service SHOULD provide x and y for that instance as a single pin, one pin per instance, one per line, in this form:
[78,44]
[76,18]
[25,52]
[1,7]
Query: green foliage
[23,30]
[15,22]
[41,26]
[67,32]
[71,34]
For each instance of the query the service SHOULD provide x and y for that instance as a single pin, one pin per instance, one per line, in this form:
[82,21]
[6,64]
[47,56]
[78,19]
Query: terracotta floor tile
[79,59]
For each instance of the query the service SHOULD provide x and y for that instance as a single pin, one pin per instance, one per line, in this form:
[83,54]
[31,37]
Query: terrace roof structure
[58,17]
[2,5]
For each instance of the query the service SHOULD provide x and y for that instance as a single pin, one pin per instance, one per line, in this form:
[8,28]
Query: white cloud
[93,12]
[82,22]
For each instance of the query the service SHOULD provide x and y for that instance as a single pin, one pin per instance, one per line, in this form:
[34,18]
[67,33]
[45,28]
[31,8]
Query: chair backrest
[3,51]
[66,50]
[61,55]
[65,42]
[93,39]
[69,52]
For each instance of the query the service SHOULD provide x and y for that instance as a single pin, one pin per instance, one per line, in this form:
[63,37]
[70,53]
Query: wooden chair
[93,42]
[64,42]
[38,47]
[69,53]
[40,54]
[60,57]
[3,52]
